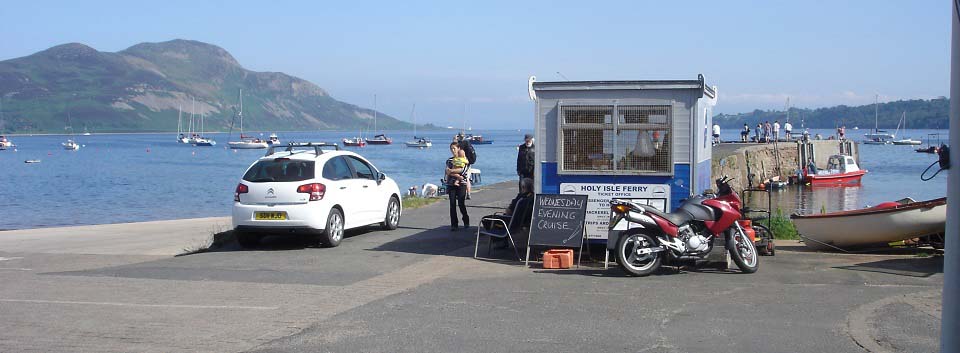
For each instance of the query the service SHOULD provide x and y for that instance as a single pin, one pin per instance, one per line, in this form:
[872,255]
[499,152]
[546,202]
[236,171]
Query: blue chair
[504,232]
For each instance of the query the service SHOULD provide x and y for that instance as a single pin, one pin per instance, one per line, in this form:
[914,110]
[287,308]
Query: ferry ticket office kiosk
[648,141]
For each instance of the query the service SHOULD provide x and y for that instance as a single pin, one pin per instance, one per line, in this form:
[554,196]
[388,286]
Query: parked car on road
[312,189]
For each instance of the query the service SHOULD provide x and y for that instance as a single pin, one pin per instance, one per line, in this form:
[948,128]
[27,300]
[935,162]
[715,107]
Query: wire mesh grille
[643,139]
[637,142]
[587,138]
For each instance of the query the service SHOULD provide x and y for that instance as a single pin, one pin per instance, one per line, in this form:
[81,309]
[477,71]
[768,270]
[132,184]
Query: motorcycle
[688,233]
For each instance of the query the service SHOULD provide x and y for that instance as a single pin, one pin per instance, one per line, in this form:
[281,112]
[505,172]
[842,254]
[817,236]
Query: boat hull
[907,142]
[872,226]
[851,178]
[379,142]
[247,145]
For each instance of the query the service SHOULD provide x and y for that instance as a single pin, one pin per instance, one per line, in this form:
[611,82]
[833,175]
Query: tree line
[920,113]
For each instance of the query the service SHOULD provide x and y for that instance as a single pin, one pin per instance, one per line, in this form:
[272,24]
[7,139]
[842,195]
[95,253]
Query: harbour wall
[752,163]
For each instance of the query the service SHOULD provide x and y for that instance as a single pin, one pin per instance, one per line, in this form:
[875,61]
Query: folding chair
[498,233]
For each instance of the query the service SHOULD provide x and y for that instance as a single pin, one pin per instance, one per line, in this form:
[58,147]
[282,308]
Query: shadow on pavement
[912,267]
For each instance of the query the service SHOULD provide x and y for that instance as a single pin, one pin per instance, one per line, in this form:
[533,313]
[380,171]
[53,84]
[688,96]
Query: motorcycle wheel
[742,250]
[635,264]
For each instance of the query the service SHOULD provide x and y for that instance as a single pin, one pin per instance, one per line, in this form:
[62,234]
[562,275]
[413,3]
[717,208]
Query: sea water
[118,178]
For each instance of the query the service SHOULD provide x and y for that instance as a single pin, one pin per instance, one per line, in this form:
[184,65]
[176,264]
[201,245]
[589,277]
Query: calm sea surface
[893,173]
[140,177]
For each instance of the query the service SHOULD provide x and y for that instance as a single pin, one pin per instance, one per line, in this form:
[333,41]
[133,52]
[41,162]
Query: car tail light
[316,190]
[241,189]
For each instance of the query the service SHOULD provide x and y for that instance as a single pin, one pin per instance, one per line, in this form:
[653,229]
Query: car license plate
[270,216]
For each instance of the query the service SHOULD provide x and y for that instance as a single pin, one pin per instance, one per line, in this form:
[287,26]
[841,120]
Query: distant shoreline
[247,132]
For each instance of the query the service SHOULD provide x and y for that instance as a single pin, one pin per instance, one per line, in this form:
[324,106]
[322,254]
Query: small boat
[203,141]
[931,148]
[71,145]
[273,139]
[31,161]
[354,142]
[879,140]
[478,140]
[418,142]
[881,224]
[5,143]
[906,140]
[841,170]
[246,142]
[421,142]
[379,139]
[878,137]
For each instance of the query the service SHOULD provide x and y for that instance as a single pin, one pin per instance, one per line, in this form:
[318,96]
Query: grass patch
[782,227]
[412,202]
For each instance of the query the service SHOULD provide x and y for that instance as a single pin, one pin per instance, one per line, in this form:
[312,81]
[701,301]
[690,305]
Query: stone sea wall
[750,164]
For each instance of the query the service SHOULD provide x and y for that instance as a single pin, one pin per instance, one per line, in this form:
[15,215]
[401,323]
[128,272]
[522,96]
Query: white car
[312,189]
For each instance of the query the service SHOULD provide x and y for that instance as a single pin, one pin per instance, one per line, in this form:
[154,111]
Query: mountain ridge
[920,113]
[142,88]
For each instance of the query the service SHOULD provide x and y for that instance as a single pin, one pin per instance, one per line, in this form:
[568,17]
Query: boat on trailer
[879,225]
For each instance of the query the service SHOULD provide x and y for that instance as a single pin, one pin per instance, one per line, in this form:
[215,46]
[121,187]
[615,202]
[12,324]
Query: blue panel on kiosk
[551,181]
[704,178]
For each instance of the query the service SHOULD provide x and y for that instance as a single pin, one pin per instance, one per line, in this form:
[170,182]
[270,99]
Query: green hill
[140,89]
[930,114]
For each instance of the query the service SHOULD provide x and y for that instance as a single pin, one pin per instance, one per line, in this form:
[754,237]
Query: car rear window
[279,170]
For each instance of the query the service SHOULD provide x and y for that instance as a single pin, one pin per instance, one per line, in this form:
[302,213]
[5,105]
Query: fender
[665,225]
[728,215]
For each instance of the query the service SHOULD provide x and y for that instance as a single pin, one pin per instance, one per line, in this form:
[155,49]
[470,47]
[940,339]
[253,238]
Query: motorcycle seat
[677,218]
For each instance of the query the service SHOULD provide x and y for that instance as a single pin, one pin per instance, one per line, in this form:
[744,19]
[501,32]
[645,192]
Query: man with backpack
[468,152]
[526,159]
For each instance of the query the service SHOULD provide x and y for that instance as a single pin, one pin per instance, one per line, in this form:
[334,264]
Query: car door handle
[366,186]
[343,187]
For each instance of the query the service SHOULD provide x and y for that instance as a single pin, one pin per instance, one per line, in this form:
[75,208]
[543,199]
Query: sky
[467,63]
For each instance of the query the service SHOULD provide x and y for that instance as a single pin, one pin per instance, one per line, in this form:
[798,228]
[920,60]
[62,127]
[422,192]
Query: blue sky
[445,55]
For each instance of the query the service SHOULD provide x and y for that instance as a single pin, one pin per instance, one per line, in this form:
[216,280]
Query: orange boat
[841,170]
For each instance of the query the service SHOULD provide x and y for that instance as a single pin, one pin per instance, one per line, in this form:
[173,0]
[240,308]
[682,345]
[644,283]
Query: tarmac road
[418,289]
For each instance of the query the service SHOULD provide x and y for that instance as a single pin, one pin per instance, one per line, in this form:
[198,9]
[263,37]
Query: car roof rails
[289,147]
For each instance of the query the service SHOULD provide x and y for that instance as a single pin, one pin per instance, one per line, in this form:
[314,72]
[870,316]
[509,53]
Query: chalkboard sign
[558,220]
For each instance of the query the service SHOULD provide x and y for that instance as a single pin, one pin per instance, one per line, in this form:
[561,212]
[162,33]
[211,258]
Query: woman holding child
[456,169]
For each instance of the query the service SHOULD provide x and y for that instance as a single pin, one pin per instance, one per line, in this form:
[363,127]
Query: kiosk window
[643,139]
[636,142]
[587,141]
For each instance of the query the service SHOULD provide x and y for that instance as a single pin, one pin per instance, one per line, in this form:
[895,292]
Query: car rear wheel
[248,240]
[333,232]
[392,219]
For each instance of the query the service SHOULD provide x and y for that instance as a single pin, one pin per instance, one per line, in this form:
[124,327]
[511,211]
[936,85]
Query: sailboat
[418,142]
[877,137]
[905,141]
[181,138]
[246,142]
[4,142]
[70,145]
[201,140]
[379,139]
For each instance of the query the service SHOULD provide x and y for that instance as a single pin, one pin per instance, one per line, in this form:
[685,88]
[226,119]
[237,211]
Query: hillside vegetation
[929,114]
[140,89]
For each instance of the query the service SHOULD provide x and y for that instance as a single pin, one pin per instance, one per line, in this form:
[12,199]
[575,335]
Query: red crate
[558,258]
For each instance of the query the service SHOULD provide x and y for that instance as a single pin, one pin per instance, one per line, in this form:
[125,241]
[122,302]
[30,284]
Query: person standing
[470,153]
[526,159]
[787,128]
[842,131]
[776,130]
[756,133]
[716,134]
[456,190]
[745,133]
[767,128]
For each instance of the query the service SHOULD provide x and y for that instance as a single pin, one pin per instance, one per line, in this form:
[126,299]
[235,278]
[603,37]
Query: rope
[928,169]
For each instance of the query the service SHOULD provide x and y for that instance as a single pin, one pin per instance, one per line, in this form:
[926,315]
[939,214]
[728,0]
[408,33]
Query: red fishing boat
[841,170]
